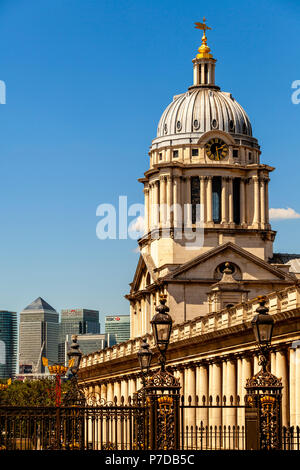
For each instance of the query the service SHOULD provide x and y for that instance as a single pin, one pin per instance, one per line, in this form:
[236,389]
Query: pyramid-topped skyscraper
[39,330]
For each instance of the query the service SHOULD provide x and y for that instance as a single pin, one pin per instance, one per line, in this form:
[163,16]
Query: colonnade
[223,376]
[167,196]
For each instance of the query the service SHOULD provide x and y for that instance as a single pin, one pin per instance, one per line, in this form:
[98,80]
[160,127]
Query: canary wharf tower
[204,154]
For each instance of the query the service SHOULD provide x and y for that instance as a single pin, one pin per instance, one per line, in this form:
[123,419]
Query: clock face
[216,149]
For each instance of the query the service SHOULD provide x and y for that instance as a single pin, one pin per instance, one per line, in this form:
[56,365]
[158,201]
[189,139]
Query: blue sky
[86,84]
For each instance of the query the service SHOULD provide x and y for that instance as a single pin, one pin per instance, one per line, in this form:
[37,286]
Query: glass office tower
[119,325]
[8,344]
[77,321]
[38,335]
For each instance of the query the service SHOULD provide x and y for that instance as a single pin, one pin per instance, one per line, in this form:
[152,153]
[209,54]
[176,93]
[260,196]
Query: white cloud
[282,214]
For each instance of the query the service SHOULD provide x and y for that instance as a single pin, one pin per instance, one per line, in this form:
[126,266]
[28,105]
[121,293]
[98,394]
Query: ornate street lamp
[262,325]
[144,358]
[162,327]
[74,396]
[264,390]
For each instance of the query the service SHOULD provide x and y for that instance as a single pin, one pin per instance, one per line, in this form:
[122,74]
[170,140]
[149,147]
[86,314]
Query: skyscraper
[39,330]
[90,342]
[8,344]
[77,321]
[119,325]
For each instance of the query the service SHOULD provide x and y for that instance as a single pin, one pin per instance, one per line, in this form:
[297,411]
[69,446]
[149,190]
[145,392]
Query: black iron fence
[126,427]
[71,428]
[212,423]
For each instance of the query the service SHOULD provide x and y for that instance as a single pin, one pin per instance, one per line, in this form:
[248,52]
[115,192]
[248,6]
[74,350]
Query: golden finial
[204,50]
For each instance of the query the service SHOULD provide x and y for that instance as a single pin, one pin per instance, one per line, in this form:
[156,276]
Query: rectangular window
[160,156]
[195,194]
[195,152]
[250,156]
[216,198]
[175,153]
[236,200]
[235,153]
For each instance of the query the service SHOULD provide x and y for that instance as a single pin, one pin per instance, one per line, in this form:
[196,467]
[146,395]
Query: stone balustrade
[280,301]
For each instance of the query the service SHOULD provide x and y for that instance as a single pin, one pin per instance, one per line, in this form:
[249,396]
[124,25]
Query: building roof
[202,110]
[39,304]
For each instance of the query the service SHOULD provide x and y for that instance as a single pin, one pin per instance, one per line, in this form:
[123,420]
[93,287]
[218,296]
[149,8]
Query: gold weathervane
[204,50]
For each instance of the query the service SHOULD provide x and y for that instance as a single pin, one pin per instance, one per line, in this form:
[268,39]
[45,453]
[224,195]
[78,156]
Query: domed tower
[206,199]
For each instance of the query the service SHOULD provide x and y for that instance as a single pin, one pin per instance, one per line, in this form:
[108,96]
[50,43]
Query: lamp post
[161,390]
[144,358]
[263,324]
[162,327]
[264,390]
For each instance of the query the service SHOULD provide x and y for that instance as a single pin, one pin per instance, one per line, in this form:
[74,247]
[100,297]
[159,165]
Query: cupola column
[162,195]
[202,198]
[256,200]
[156,204]
[224,200]
[169,200]
[230,200]
[188,201]
[267,199]
[146,211]
[209,200]
[262,201]
[242,202]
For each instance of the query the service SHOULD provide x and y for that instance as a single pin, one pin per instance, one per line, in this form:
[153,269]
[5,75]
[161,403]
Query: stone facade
[205,157]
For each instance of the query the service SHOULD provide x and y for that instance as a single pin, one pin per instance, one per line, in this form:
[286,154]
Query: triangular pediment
[251,267]
[145,266]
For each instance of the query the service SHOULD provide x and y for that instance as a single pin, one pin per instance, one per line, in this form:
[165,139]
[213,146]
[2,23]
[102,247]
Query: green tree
[32,393]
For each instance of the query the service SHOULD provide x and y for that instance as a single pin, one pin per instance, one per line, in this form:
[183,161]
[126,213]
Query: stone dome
[201,110]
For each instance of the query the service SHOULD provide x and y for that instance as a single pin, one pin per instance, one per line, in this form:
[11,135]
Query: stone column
[230,200]
[267,199]
[110,392]
[202,199]
[244,372]
[231,392]
[215,390]
[169,200]
[188,202]
[256,201]
[181,380]
[242,202]
[117,391]
[146,211]
[292,388]
[156,204]
[175,201]
[256,367]
[104,390]
[162,194]
[273,362]
[262,201]
[224,390]
[224,198]
[202,391]
[209,200]
[282,372]
[124,390]
[190,391]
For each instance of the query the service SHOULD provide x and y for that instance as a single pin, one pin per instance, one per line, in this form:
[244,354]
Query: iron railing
[84,428]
